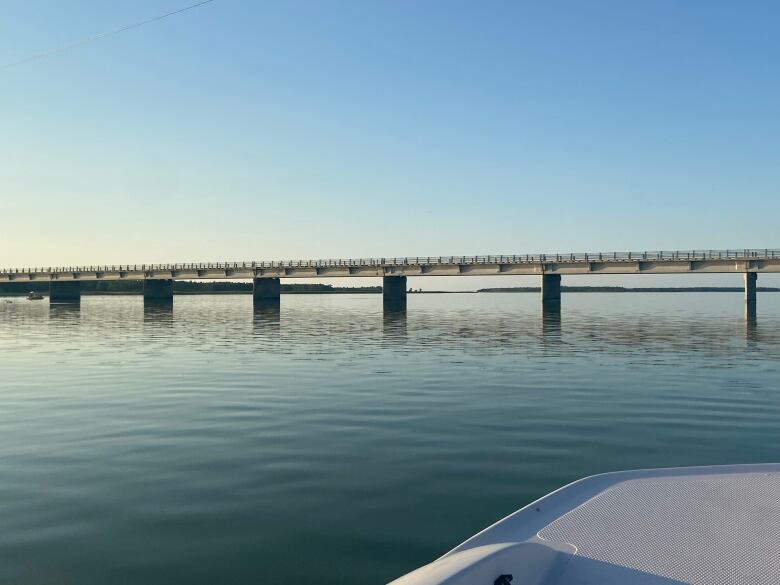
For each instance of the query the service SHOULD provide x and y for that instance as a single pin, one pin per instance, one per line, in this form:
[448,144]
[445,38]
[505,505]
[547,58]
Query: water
[328,444]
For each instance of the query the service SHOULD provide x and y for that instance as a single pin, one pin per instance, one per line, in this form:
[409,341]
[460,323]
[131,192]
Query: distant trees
[180,286]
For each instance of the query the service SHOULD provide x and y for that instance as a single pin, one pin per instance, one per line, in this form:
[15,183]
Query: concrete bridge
[64,281]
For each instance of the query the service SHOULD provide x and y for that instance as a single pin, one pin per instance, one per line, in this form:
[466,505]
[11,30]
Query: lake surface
[326,443]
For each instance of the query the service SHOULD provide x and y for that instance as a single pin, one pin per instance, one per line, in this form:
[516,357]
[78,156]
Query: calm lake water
[328,444]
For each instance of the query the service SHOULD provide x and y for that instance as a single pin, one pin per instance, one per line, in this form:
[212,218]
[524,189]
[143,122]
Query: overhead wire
[99,36]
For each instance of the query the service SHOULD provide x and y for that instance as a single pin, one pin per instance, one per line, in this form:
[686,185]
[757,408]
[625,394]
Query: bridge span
[64,281]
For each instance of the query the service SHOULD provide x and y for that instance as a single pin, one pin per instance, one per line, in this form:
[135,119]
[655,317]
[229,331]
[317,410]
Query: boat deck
[706,525]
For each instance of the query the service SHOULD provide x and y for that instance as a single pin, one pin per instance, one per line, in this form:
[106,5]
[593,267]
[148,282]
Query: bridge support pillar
[266,291]
[158,290]
[750,286]
[551,288]
[394,293]
[68,291]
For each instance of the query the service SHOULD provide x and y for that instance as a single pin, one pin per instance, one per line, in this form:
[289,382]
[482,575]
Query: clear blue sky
[267,130]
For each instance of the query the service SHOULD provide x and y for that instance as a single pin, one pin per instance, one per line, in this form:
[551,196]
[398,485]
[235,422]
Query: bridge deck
[676,262]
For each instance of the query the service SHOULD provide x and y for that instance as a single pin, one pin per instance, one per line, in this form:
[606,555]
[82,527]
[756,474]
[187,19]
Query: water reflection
[751,322]
[69,302]
[394,325]
[345,324]
[315,428]
[158,313]
[64,311]
[266,317]
[551,321]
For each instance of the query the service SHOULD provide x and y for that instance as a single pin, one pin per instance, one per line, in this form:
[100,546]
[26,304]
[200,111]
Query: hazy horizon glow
[257,131]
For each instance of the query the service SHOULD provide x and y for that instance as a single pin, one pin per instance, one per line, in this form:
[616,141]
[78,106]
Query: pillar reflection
[394,324]
[266,316]
[751,321]
[551,320]
[158,312]
[65,311]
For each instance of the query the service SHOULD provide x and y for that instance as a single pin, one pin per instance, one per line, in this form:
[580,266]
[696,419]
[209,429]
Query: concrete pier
[750,286]
[158,290]
[394,293]
[551,288]
[65,291]
[266,291]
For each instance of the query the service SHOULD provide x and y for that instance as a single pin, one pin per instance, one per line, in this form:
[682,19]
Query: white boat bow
[693,525]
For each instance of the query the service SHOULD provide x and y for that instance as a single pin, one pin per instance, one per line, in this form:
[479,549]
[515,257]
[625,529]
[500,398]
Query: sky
[253,130]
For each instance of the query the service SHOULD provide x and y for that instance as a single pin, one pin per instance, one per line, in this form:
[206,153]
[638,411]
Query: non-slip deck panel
[714,529]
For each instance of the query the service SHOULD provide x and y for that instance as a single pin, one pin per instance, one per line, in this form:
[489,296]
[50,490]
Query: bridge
[64,282]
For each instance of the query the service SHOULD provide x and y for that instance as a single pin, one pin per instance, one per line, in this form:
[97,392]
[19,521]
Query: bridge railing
[656,256]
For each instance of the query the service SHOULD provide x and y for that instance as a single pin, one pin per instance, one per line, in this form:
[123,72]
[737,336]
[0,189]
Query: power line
[99,36]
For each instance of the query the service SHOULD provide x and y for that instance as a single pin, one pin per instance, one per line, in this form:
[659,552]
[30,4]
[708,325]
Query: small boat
[34,296]
[691,525]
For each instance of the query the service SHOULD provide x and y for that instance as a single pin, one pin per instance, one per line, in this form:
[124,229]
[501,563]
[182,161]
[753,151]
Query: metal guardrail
[657,256]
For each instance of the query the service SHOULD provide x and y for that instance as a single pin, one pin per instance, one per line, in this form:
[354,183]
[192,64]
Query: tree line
[179,286]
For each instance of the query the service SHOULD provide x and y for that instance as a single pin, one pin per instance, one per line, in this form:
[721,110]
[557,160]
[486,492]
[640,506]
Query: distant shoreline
[182,287]
[23,291]
[91,293]
[622,289]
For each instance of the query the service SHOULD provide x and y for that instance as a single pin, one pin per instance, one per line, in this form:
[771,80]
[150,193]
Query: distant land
[185,287]
[623,289]
[181,287]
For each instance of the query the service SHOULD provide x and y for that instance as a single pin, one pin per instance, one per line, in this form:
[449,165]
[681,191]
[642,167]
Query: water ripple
[209,442]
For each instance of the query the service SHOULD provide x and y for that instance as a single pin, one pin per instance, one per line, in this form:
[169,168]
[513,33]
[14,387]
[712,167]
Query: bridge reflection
[336,321]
